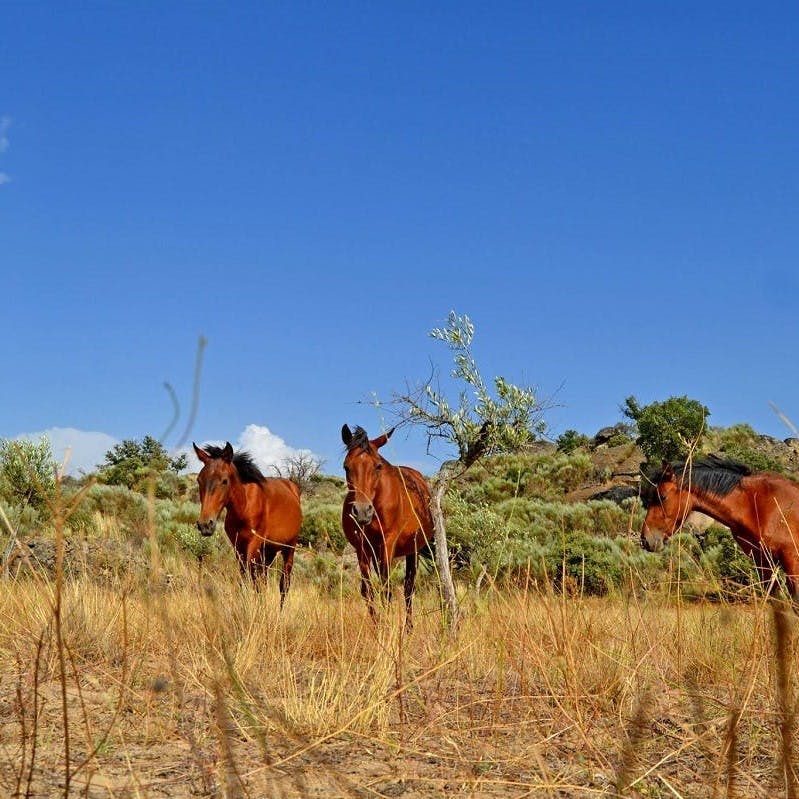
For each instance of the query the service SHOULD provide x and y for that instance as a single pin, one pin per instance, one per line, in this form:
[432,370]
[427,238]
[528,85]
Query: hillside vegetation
[136,663]
[544,517]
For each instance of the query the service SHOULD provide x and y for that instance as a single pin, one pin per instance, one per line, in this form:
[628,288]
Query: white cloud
[268,450]
[86,449]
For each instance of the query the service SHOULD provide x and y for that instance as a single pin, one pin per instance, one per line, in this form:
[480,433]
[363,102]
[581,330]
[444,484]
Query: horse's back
[417,488]
[282,510]
[418,521]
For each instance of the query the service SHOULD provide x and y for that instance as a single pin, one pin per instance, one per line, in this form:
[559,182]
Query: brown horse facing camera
[386,514]
[761,510]
[263,513]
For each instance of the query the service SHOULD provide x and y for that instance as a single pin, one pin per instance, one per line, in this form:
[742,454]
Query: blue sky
[610,191]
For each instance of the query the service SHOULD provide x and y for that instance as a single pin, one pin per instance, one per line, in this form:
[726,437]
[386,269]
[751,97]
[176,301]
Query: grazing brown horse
[386,513]
[263,513]
[761,510]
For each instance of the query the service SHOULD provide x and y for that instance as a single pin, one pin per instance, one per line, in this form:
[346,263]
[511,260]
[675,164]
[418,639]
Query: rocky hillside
[617,462]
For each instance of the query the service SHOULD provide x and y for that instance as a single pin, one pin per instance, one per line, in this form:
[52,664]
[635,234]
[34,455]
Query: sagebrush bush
[586,542]
[27,473]
[321,527]
[128,508]
[722,557]
[324,570]
[546,474]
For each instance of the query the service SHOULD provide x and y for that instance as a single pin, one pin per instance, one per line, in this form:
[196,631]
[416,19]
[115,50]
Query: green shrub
[571,440]
[81,519]
[27,473]
[667,429]
[497,478]
[323,569]
[128,508]
[132,463]
[619,439]
[726,560]
[557,474]
[188,539]
[585,543]
[756,460]
[27,521]
[321,527]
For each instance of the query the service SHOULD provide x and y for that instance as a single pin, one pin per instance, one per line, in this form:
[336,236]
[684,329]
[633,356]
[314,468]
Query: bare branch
[302,469]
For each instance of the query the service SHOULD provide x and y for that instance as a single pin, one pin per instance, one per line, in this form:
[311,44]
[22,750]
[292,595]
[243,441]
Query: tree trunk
[440,485]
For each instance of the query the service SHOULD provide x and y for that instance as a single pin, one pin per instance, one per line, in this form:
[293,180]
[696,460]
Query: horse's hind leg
[285,575]
[790,564]
[411,561]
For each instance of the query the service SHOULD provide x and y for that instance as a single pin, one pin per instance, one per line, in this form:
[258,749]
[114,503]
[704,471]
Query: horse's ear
[227,453]
[201,453]
[346,436]
[380,440]
[668,471]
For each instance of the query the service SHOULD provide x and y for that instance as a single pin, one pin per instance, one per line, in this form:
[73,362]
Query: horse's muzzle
[206,528]
[652,540]
[363,513]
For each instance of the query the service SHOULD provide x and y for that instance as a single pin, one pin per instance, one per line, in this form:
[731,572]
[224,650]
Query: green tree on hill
[667,430]
[571,440]
[131,462]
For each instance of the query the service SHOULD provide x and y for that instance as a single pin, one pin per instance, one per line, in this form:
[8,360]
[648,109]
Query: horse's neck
[386,495]
[718,507]
[237,503]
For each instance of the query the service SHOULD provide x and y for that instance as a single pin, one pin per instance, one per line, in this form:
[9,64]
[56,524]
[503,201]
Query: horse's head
[363,466]
[214,482]
[667,506]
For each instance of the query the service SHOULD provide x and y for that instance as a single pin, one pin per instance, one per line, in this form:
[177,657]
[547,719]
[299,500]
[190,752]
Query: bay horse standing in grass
[263,513]
[386,514]
[761,510]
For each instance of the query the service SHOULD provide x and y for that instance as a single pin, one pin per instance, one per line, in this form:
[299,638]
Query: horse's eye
[224,481]
[378,467]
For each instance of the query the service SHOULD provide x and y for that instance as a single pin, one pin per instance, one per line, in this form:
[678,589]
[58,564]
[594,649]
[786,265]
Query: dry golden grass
[199,687]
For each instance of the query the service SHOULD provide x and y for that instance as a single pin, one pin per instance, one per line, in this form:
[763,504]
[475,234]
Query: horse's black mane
[712,474]
[359,439]
[245,466]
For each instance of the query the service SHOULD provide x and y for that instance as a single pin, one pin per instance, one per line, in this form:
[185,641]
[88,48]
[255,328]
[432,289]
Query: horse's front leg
[411,562]
[242,560]
[259,559]
[765,568]
[367,592]
[384,570]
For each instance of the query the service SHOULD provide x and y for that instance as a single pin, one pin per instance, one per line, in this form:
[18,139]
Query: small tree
[667,430]
[571,440]
[301,468]
[131,462]
[27,471]
[483,422]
